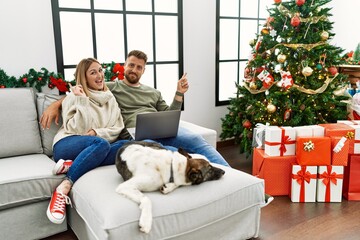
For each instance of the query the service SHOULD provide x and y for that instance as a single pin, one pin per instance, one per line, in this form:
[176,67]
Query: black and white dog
[148,166]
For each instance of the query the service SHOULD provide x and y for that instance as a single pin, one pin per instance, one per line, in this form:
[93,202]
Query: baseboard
[225,143]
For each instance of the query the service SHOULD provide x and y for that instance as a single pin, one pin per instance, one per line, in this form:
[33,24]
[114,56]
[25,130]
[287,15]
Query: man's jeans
[194,143]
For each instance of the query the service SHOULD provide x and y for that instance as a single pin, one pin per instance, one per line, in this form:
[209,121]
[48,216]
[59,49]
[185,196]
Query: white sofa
[225,209]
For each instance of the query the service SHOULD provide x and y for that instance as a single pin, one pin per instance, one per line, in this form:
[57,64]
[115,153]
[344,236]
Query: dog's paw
[145,222]
[163,189]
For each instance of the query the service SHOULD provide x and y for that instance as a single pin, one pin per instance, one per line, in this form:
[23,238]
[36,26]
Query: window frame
[219,102]
[58,38]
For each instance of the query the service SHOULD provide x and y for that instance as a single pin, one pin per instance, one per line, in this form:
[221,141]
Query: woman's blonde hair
[80,73]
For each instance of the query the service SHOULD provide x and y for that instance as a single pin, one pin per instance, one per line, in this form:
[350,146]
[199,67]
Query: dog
[148,166]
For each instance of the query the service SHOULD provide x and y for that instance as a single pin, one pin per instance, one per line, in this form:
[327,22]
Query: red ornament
[118,70]
[332,70]
[287,114]
[2,86]
[39,78]
[277,1]
[300,2]
[24,80]
[247,124]
[295,21]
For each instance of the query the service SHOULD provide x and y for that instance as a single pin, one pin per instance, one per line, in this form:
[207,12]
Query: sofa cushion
[19,130]
[113,216]
[26,179]
[47,135]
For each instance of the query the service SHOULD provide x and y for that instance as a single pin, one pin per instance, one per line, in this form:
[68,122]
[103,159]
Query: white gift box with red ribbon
[280,141]
[303,183]
[349,122]
[329,183]
[310,131]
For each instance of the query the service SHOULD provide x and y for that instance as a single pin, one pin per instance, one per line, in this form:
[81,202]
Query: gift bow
[329,177]
[260,129]
[285,139]
[309,146]
[301,177]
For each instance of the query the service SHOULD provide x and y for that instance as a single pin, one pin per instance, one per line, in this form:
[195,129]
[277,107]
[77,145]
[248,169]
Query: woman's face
[95,77]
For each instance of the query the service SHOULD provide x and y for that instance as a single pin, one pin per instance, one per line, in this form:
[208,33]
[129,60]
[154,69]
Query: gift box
[340,130]
[310,131]
[356,139]
[339,151]
[349,122]
[303,183]
[274,170]
[313,151]
[351,184]
[259,135]
[329,183]
[280,141]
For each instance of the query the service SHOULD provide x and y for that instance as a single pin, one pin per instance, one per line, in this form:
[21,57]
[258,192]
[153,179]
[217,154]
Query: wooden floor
[282,219]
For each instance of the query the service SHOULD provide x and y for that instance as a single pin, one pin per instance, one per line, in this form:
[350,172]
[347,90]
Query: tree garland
[39,79]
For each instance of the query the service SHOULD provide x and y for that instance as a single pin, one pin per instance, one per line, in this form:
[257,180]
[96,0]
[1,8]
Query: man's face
[134,69]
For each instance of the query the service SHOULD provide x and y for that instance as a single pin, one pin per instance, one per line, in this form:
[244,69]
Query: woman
[92,122]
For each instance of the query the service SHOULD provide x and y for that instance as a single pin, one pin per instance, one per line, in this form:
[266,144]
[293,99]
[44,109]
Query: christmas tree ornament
[287,114]
[300,2]
[273,33]
[252,86]
[286,81]
[295,21]
[319,66]
[302,107]
[277,1]
[24,80]
[333,70]
[324,35]
[271,108]
[266,78]
[281,58]
[252,42]
[307,71]
[265,31]
[247,124]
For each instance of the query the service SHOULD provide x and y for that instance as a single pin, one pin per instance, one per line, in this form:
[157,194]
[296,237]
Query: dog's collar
[171,179]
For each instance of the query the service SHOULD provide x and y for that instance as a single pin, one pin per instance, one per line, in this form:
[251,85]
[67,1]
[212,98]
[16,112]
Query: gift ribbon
[301,177]
[285,139]
[329,177]
[260,131]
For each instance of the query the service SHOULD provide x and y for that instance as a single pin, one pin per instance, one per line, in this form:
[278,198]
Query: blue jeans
[194,143]
[87,153]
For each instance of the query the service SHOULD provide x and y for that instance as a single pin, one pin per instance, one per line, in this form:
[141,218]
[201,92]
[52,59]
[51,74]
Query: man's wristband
[179,93]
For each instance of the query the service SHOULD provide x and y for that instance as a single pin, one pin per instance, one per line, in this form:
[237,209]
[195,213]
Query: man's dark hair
[138,54]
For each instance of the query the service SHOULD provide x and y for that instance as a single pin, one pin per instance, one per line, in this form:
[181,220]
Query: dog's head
[199,170]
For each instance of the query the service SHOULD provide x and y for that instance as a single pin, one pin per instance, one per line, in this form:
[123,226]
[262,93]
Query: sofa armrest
[208,134]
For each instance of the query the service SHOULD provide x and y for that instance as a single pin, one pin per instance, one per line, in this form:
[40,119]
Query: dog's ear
[185,153]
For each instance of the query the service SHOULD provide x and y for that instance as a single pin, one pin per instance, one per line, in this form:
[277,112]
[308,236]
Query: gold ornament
[271,108]
[265,31]
[281,58]
[307,71]
[324,35]
[252,85]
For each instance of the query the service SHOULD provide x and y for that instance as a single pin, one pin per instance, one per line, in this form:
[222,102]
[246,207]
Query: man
[134,97]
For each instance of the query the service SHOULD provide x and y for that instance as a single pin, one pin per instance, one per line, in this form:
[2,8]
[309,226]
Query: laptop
[155,125]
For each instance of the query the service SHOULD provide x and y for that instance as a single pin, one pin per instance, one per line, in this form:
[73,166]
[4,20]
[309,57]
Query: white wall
[27,41]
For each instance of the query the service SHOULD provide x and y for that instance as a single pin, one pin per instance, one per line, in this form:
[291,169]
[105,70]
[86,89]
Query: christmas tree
[291,78]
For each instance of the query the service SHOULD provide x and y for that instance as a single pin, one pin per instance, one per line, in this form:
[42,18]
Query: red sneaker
[62,166]
[57,207]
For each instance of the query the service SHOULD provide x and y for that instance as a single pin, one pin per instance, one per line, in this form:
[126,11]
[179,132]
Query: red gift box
[275,171]
[339,158]
[313,151]
[340,130]
[351,187]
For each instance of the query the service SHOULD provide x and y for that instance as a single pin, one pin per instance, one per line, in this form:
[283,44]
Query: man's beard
[132,78]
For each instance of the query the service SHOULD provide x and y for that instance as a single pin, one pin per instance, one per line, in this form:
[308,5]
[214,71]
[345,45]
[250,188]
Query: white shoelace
[60,202]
